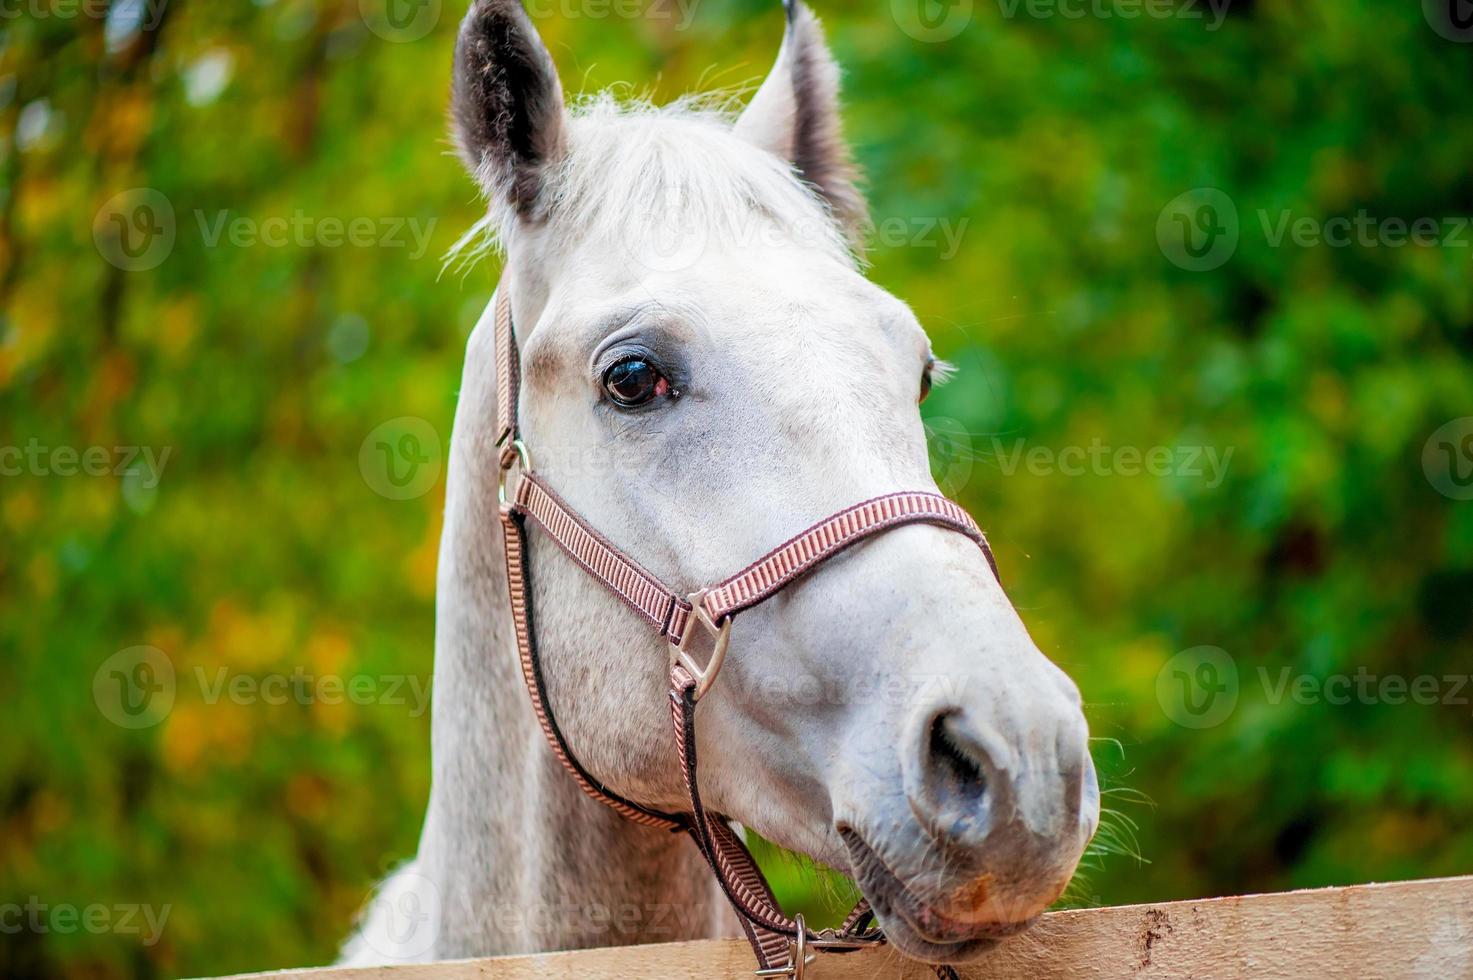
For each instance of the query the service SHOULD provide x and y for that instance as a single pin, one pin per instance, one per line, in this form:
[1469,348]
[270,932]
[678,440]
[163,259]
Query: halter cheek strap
[698,627]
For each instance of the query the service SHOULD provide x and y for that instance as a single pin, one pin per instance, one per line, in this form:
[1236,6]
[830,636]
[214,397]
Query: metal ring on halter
[702,636]
[513,455]
[799,951]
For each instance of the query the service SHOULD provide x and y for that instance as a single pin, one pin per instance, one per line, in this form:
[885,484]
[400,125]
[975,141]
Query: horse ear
[506,103]
[795,114]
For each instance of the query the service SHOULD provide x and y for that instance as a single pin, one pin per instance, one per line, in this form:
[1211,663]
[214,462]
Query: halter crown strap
[694,623]
[508,374]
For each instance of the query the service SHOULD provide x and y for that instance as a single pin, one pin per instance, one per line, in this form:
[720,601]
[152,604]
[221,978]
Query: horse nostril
[958,764]
[958,777]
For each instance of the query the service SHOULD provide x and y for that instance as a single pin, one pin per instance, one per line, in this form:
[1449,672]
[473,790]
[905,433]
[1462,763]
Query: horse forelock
[634,175]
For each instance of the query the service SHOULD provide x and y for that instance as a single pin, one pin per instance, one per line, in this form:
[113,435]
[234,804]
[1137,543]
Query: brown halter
[698,626]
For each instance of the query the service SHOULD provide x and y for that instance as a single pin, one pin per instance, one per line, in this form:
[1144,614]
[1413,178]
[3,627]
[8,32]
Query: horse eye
[633,382]
[926,380]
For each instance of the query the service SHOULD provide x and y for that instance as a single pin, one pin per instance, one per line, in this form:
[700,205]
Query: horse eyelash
[941,371]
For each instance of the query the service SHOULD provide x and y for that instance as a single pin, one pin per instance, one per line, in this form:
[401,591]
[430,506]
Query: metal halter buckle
[797,953]
[516,455]
[702,636]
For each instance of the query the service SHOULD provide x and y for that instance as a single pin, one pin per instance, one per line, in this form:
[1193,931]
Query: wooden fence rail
[1417,929]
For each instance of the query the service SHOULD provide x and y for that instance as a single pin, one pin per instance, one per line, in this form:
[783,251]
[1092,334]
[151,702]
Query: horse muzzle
[969,834]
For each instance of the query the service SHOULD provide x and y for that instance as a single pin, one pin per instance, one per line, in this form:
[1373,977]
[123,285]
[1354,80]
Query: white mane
[635,173]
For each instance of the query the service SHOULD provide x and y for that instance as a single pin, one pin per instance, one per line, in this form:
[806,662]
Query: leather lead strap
[770,931]
[745,888]
[518,580]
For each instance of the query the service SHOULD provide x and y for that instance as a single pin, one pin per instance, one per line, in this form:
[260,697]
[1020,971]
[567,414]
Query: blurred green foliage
[1052,143]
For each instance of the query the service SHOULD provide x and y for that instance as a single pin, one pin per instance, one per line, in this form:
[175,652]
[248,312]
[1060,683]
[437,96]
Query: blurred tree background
[250,537]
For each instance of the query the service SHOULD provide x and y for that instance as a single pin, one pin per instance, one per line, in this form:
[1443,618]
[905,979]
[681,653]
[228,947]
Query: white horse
[705,371]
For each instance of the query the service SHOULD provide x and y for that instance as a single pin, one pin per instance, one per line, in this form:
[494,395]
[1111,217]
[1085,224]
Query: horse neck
[525,862]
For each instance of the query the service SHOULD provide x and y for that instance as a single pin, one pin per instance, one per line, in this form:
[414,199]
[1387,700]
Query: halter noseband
[698,627]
